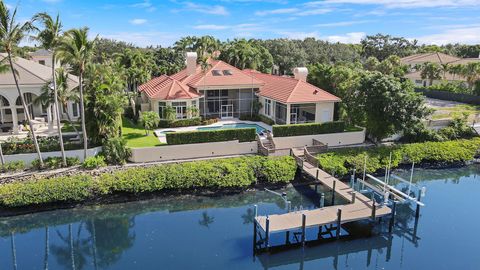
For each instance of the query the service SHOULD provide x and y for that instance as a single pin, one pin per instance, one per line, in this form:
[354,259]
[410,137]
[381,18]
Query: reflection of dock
[359,207]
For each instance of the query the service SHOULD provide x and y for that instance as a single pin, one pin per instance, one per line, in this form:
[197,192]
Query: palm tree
[431,71]
[471,73]
[77,50]
[4,67]
[445,69]
[49,39]
[11,33]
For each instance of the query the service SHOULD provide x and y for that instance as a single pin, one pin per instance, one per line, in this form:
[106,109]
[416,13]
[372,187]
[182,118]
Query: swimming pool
[258,128]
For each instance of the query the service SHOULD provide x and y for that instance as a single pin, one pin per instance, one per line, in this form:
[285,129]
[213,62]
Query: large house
[32,77]
[220,90]
[436,57]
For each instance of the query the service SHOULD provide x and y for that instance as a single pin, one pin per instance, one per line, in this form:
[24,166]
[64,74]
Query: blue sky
[155,22]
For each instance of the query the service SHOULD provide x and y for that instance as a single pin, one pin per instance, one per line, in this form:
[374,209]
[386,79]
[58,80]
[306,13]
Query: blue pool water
[236,125]
[197,232]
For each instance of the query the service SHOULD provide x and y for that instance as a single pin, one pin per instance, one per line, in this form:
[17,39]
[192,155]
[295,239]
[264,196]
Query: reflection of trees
[109,238]
[206,220]
[73,251]
[248,216]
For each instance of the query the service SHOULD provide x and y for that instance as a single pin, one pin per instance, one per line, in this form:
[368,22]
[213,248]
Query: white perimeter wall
[28,158]
[332,139]
[187,151]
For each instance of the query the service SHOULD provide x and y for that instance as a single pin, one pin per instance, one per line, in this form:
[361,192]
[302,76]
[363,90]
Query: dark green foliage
[115,151]
[341,161]
[12,166]
[47,144]
[212,174]
[257,118]
[94,162]
[51,190]
[204,136]
[308,129]
[382,46]
[55,162]
[453,87]
[197,121]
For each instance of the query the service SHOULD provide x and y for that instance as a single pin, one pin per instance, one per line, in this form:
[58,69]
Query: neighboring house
[223,91]
[42,56]
[439,58]
[32,77]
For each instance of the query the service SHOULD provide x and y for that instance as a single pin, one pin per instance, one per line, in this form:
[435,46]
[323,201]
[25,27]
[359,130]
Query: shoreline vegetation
[220,175]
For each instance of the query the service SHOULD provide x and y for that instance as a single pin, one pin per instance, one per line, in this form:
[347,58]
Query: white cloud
[466,35]
[277,11]
[344,23]
[316,11]
[352,38]
[145,5]
[400,3]
[210,27]
[298,35]
[215,10]
[238,28]
[138,21]
[144,39]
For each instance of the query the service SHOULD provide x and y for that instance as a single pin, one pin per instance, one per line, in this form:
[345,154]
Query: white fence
[190,151]
[331,139]
[28,158]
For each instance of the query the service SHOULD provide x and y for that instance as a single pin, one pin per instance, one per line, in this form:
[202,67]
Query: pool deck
[162,138]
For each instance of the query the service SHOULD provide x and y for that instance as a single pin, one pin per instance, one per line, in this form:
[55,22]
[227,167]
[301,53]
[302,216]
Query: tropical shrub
[204,136]
[115,151]
[212,174]
[342,161]
[55,162]
[149,121]
[94,162]
[58,189]
[308,129]
[12,166]
[15,145]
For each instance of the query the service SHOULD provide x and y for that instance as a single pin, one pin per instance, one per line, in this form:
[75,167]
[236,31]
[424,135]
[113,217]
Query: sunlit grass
[135,135]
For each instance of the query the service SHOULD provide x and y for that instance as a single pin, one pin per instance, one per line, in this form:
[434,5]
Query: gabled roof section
[435,57]
[290,90]
[31,73]
[167,88]
[218,74]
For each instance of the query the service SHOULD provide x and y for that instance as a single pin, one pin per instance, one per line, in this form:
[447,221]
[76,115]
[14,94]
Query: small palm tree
[77,50]
[11,33]
[49,39]
[431,71]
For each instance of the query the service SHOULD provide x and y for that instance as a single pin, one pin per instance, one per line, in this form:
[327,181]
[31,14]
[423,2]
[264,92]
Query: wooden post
[304,221]
[333,191]
[373,209]
[339,222]
[267,233]
[287,237]
[316,177]
[316,188]
[255,210]
[417,211]
[392,218]
[254,236]
[322,200]
[354,196]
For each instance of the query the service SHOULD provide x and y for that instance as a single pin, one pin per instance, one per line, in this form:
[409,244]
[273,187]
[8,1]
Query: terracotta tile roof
[435,57]
[167,88]
[290,90]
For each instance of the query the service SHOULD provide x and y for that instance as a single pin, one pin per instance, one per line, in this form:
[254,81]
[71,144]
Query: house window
[41,62]
[268,107]
[181,109]
[75,109]
[216,72]
[161,109]
[418,81]
[227,72]
[194,103]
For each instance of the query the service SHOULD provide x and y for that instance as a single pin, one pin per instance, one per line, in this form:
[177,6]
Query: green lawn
[457,110]
[135,135]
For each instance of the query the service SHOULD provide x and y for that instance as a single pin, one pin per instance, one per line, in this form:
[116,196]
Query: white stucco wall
[28,158]
[188,151]
[332,139]
[320,108]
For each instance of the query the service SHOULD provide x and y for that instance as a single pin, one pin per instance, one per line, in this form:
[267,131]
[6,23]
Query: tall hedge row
[212,174]
[205,136]
[308,129]
[341,161]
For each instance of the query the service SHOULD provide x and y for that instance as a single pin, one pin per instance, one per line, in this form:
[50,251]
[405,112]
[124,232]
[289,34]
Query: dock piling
[339,222]
[392,218]
[267,233]
[333,191]
[316,177]
[373,209]
[304,221]
[255,210]
[322,200]
[354,196]
[254,236]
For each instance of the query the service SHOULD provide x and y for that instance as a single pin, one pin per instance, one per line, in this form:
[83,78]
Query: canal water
[216,233]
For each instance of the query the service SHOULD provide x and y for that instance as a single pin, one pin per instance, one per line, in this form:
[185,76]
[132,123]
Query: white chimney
[300,73]
[191,61]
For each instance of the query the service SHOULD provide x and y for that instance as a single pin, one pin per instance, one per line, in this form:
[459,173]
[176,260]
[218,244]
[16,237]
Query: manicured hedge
[204,136]
[180,123]
[12,166]
[308,129]
[212,174]
[341,161]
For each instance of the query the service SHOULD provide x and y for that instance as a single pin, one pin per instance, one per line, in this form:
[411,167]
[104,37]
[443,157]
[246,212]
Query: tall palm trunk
[25,109]
[2,159]
[47,251]
[82,114]
[57,112]
[69,119]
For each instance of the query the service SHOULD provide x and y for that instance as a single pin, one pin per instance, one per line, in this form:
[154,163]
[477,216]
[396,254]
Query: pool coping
[162,138]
